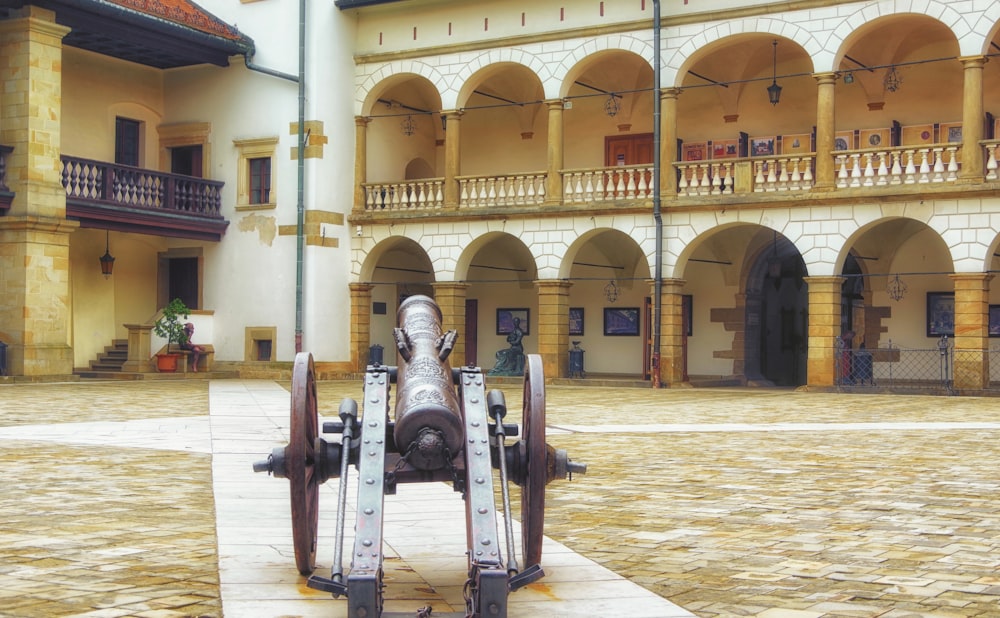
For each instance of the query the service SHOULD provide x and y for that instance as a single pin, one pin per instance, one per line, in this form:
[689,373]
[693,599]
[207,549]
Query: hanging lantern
[896,289]
[107,260]
[611,291]
[774,90]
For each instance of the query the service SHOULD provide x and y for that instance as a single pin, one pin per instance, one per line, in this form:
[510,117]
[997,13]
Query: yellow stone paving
[731,507]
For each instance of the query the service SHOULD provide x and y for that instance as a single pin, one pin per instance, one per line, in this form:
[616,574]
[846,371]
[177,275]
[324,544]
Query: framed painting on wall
[687,308]
[762,146]
[576,320]
[843,140]
[695,151]
[795,144]
[725,149]
[994,326]
[950,132]
[940,314]
[506,318]
[918,134]
[623,322]
[873,138]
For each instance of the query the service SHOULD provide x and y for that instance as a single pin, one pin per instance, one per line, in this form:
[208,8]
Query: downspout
[657,162]
[300,201]
[300,205]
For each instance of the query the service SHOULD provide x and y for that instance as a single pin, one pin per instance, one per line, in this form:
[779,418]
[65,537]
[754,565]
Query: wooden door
[622,150]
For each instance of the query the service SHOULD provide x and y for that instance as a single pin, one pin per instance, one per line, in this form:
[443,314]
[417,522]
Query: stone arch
[578,58]
[829,58]
[476,69]
[687,52]
[391,73]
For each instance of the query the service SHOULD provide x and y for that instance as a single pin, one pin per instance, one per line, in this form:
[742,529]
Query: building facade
[791,193]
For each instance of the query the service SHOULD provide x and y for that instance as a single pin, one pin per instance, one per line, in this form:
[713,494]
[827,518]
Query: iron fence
[897,369]
[917,370]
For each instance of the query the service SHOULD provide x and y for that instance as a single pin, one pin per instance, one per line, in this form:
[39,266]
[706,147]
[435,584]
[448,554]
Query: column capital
[559,285]
[362,121]
[449,285]
[455,114]
[826,77]
[358,288]
[557,104]
[983,277]
[973,62]
[670,93]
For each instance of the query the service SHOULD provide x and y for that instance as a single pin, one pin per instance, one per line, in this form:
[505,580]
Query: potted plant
[169,327]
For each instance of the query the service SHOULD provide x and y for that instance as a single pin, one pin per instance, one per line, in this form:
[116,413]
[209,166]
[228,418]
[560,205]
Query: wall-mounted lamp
[107,261]
[774,90]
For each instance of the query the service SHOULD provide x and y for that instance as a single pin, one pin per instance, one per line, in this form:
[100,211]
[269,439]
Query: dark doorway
[471,328]
[186,160]
[182,281]
[128,140]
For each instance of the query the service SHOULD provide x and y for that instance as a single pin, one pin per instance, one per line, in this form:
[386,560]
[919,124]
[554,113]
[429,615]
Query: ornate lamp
[774,90]
[612,106]
[107,261]
[409,127]
[892,79]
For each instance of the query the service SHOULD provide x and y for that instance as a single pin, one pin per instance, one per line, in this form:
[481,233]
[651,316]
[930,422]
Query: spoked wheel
[533,490]
[300,458]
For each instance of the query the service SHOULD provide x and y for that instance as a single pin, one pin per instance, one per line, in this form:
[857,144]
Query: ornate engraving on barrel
[428,416]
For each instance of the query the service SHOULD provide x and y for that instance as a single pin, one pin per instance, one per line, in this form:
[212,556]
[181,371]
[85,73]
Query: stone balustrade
[603,184]
[423,194]
[502,191]
[901,165]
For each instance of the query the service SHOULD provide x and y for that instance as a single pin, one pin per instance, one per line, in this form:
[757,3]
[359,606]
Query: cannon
[446,427]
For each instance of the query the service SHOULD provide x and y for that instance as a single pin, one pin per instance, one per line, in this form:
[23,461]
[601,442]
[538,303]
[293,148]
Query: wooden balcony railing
[109,184]
[875,167]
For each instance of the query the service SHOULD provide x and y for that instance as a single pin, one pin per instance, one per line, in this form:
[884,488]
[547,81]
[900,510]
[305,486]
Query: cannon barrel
[429,428]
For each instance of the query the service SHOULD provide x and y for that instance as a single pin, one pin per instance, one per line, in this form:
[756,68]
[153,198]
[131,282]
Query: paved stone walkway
[728,502]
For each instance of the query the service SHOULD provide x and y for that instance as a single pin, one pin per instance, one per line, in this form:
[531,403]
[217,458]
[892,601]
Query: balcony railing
[608,184]
[110,184]
[874,167]
[424,194]
[901,165]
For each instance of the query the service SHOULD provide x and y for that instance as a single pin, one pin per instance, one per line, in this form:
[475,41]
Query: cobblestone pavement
[729,502]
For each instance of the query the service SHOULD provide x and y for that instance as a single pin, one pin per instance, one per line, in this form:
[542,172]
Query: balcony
[882,172]
[129,199]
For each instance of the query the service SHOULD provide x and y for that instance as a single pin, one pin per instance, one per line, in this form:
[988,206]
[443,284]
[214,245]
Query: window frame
[249,150]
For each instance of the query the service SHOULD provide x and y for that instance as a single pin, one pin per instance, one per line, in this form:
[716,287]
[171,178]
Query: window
[255,176]
[260,180]
[127,138]
[259,343]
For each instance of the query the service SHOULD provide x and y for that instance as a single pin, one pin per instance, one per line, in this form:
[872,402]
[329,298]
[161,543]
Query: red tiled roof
[184,13]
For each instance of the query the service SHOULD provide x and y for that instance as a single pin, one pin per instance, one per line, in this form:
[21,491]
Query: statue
[510,362]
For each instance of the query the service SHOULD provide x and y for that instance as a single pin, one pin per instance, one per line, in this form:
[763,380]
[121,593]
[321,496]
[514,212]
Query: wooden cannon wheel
[300,462]
[533,491]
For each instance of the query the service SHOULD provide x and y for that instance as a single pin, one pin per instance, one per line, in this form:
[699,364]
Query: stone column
[668,143]
[825,127]
[824,328]
[554,181]
[360,161]
[971,359]
[972,120]
[452,158]
[361,325]
[552,326]
[450,297]
[673,357]
[34,236]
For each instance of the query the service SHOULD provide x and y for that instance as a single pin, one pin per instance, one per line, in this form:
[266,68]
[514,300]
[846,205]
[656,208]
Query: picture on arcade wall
[576,320]
[994,321]
[506,317]
[940,314]
[622,322]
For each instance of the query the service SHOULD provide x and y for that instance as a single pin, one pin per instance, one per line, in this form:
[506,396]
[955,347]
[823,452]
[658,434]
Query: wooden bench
[204,362]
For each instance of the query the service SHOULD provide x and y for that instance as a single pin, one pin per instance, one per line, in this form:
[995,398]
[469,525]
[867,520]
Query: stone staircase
[109,363]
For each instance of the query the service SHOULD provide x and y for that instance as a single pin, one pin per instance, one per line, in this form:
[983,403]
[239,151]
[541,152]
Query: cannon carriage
[446,427]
